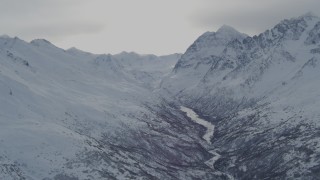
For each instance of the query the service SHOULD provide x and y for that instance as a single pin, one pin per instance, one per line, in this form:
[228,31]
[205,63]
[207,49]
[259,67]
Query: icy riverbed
[207,136]
[194,116]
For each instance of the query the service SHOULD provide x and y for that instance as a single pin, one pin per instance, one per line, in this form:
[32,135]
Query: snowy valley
[231,107]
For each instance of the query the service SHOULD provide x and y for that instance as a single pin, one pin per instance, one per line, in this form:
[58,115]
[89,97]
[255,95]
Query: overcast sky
[144,26]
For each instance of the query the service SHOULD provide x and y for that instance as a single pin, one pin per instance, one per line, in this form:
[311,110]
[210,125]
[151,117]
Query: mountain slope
[51,103]
[262,94]
[68,114]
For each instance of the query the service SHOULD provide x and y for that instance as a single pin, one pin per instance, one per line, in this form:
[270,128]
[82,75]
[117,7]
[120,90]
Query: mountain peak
[75,50]
[308,15]
[128,53]
[226,28]
[41,42]
[228,31]
[5,36]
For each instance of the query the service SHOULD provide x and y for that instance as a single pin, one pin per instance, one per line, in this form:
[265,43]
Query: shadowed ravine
[207,136]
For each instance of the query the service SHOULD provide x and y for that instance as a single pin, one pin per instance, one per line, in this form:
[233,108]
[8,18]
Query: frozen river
[194,116]
[207,136]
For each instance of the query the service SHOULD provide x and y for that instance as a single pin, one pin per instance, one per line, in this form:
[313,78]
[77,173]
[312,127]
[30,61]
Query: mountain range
[70,114]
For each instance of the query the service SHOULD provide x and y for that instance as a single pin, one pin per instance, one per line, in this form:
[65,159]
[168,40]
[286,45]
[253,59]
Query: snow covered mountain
[70,114]
[263,95]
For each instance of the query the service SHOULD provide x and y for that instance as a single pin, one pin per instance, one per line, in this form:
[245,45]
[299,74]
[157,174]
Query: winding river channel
[194,116]
[207,136]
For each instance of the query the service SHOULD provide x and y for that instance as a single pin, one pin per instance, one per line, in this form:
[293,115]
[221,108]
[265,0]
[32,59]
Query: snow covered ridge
[264,94]
[69,114]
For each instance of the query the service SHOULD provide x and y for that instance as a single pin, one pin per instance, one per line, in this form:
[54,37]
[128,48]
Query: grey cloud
[145,26]
[53,19]
[252,16]
[15,8]
[58,31]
